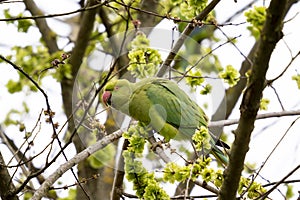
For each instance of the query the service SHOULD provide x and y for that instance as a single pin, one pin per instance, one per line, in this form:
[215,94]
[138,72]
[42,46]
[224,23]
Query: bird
[163,105]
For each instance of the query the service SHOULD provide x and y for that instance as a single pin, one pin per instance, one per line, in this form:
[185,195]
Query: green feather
[163,105]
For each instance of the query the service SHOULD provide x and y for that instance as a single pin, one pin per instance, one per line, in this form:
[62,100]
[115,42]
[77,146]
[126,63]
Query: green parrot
[161,104]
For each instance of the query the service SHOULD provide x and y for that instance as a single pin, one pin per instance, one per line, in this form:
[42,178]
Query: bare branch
[270,154]
[119,175]
[43,189]
[39,16]
[229,122]
[279,182]
[285,69]
[158,150]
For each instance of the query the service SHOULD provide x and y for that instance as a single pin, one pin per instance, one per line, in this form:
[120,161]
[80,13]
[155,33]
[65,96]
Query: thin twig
[270,154]
[278,98]
[54,15]
[265,195]
[229,122]
[285,69]
[207,54]
[284,182]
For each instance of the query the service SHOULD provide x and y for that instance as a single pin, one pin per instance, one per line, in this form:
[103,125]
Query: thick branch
[75,160]
[76,58]
[6,185]
[83,38]
[47,34]
[86,27]
[119,175]
[271,34]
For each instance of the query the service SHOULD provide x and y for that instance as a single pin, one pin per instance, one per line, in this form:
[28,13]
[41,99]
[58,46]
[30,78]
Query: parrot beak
[106,97]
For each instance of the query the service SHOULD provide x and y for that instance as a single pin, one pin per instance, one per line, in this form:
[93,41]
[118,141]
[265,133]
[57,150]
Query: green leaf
[189,9]
[264,104]
[208,174]
[13,86]
[144,183]
[202,139]
[7,15]
[27,196]
[254,189]
[25,106]
[194,77]
[297,79]
[24,25]
[256,17]
[230,75]
[289,192]
[206,89]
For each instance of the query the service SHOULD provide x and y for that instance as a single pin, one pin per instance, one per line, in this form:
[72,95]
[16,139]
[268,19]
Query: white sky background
[267,132]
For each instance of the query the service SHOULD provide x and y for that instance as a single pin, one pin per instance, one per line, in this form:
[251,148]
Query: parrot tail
[220,156]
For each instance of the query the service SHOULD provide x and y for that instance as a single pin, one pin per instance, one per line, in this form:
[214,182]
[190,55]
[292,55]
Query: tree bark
[6,184]
[270,35]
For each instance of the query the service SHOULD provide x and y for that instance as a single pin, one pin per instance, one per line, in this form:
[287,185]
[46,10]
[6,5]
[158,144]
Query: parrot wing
[173,105]
[184,99]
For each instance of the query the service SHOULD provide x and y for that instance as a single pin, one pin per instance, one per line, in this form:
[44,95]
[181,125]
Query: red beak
[106,98]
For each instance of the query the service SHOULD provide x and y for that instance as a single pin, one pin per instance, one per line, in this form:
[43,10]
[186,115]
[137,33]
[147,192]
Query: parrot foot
[156,145]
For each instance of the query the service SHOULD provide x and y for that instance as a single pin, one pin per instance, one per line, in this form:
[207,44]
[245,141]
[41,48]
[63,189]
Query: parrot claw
[155,145]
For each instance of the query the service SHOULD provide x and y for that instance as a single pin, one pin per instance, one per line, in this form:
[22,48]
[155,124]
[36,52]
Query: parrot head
[106,96]
[117,95]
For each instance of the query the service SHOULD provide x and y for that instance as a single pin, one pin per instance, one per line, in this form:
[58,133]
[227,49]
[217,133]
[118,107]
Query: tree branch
[39,15]
[47,34]
[119,175]
[43,189]
[188,29]
[270,35]
[83,37]
[6,185]
[264,196]
[229,122]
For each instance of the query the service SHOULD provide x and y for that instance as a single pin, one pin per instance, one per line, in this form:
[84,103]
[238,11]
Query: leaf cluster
[143,60]
[188,9]
[22,25]
[145,183]
[230,75]
[252,189]
[256,17]
[37,62]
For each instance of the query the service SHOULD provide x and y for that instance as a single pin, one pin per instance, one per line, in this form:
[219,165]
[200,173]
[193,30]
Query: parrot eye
[116,88]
